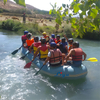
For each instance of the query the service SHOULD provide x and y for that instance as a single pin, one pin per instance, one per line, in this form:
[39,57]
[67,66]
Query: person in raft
[35,45]
[76,55]
[42,50]
[24,37]
[54,55]
[45,36]
[29,40]
[70,42]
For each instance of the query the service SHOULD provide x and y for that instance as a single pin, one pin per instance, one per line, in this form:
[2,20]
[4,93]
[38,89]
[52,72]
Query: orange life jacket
[57,41]
[78,54]
[36,45]
[70,47]
[43,51]
[29,42]
[56,56]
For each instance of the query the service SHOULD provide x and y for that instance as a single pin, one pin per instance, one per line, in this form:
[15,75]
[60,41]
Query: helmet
[44,33]
[25,32]
[63,40]
[53,35]
[53,44]
[76,44]
[36,38]
[43,41]
[70,40]
[29,35]
[58,35]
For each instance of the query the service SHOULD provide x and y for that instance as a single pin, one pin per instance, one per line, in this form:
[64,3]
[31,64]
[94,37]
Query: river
[17,83]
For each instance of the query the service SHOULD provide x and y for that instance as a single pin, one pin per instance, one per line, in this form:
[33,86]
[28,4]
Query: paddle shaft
[39,70]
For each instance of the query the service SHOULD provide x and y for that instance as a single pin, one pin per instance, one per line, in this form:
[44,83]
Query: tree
[88,11]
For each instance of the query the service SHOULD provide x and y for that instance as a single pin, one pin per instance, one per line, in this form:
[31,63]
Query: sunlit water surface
[17,83]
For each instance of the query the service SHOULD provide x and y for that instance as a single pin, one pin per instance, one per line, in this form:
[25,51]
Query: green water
[17,83]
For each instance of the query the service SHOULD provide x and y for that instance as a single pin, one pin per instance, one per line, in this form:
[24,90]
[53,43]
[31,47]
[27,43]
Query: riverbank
[36,28]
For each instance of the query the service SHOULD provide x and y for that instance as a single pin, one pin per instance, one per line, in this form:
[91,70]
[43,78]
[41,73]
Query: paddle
[14,52]
[24,55]
[39,70]
[92,59]
[28,65]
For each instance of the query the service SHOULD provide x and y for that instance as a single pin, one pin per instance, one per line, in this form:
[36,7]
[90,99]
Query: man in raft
[54,55]
[76,55]
[24,37]
[42,50]
[35,45]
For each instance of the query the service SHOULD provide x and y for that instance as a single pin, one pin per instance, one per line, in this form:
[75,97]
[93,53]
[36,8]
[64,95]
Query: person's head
[43,41]
[44,34]
[70,40]
[53,45]
[36,39]
[25,32]
[58,37]
[29,35]
[53,36]
[63,40]
[76,44]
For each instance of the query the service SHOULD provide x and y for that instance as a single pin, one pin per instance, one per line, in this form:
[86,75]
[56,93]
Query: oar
[39,70]
[14,52]
[24,55]
[92,59]
[28,65]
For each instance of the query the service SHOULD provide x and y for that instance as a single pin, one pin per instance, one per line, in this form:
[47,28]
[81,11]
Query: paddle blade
[23,57]
[14,52]
[28,65]
[92,59]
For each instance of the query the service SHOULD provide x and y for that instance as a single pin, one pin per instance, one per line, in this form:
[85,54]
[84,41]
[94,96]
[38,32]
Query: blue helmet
[53,44]
[25,32]
[52,35]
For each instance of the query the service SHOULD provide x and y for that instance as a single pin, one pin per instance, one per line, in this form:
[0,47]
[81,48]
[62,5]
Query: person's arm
[46,60]
[71,52]
[66,37]
[36,54]
[31,47]
[84,54]
[49,55]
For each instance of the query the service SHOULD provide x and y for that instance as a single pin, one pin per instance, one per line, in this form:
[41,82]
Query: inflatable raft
[66,71]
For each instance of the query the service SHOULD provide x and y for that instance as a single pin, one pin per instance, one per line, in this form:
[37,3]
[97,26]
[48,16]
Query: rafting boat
[66,71]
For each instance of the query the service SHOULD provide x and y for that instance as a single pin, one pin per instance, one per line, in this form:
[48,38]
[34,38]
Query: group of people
[55,50]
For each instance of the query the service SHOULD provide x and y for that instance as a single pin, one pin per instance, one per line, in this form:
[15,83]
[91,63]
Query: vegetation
[88,21]
[89,16]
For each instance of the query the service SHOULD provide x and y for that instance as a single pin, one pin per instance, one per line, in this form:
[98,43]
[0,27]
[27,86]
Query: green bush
[11,25]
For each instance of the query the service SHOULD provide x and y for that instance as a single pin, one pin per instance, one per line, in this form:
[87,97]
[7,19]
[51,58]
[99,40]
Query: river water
[17,83]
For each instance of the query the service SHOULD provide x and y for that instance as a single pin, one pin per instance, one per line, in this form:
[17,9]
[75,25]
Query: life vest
[43,51]
[47,38]
[29,42]
[24,38]
[70,47]
[56,56]
[78,54]
[57,41]
[36,45]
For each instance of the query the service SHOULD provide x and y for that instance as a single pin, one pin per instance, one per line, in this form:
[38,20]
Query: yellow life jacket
[43,51]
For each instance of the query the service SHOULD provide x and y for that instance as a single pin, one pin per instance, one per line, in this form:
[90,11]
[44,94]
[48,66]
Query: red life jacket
[36,45]
[78,54]
[24,38]
[56,56]
[43,51]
